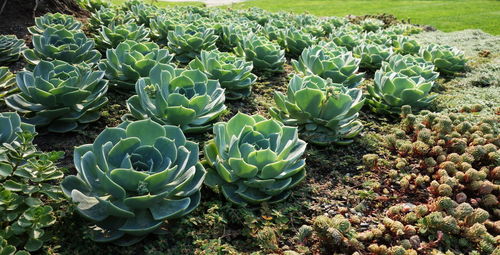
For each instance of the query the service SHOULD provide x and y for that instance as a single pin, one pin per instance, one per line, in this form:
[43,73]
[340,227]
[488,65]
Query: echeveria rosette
[265,55]
[108,16]
[60,44]
[55,20]
[187,41]
[185,98]
[7,82]
[233,73]
[112,35]
[448,60]
[11,125]
[232,35]
[133,178]
[130,61]
[10,48]
[371,25]
[60,96]
[372,55]
[346,38]
[294,41]
[404,45]
[325,112]
[393,90]
[327,62]
[254,160]
[410,66]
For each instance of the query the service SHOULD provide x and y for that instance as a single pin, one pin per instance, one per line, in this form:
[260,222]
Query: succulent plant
[133,178]
[10,48]
[324,112]
[60,96]
[378,38]
[107,16]
[112,35]
[7,82]
[25,179]
[345,38]
[143,13]
[372,25]
[372,55]
[55,20]
[160,26]
[188,41]
[338,65]
[254,160]
[60,44]
[232,35]
[233,73]
[11,125]
[185,98]
[393,90]
[404,45]
[130,61]
[294,41]
[265,55]
[410,66]
[448,60]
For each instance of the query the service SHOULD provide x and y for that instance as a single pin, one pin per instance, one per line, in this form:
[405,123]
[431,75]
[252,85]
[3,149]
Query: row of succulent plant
[26,187]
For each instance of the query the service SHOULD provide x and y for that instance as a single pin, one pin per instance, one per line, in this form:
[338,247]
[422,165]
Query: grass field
[445,15]
[161,3]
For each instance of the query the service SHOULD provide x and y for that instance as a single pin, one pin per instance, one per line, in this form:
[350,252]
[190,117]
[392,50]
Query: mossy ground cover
[338,181]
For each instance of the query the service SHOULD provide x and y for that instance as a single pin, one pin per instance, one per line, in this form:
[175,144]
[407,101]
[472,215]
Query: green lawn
[161,3]
[446,15]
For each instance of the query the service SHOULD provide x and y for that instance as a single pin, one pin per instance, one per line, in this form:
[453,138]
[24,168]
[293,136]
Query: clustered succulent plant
[325,112]
[26,175]
[404,45]
[61,44]
[233,73]
[295,41]
[410,66]
[185,98]
[448,60]
[112,35]
[107,16]
[55,20]
[372,25]
[188,41]
[130,61]
[60,96]
[265,55]
[330,63]
[10,48]
[372,55]
[254,160]
[393,90]
[133,178]
[457,161]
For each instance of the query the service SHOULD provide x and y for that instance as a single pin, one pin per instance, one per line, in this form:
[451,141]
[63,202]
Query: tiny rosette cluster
[11,125]
[133,177]
[55,20]
[185,98]
[392,90]
[60,96]
[410,66]
[405,45]
[448,60]
[10,48]
[324,112]
[112,35]
[233,73]
[61,44]
[336,64]
[187,41]
[265,55]
[254,160]
[130,61]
